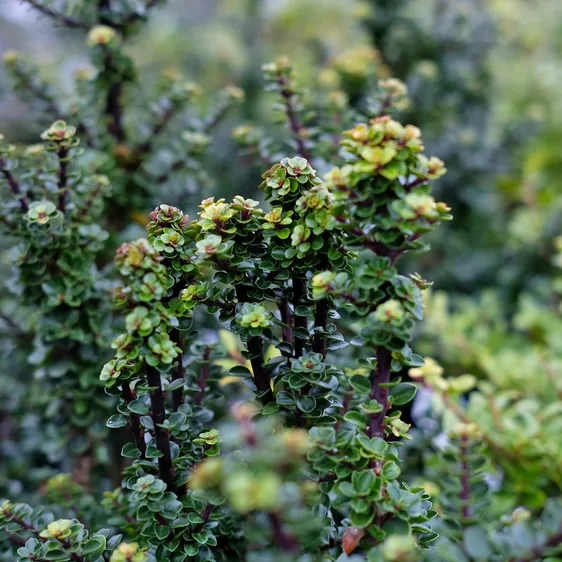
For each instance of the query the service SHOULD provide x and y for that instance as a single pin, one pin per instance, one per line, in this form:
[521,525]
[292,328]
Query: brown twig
[379,378]
[203,375]
[135,425]
[161,435]
[15,187]
[57,16]
[63,177]
[178,372]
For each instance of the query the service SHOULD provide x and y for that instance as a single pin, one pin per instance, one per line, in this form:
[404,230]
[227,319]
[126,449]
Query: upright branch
[380,379]
[162,435]
[178,373]
[134,424]
[281,78]
[255,346]
[57,17]
[11,180]
[465,493]
[203,375]
[62,154]
[115,70]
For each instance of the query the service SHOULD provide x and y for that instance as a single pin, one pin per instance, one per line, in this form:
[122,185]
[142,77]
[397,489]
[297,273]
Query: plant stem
[63,177]
[203,376]
[255,348]
[319,342]
[540,551]
[465,492]
[286,318]
[15,187]
[114,111]
[178,372]
[161,435]
[294,123]
[281,538]
[299,293]
[58,17]
[380,375]
[136,428]
[261,376]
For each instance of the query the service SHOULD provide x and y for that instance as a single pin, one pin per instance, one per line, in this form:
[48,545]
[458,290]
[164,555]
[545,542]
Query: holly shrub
[238,385]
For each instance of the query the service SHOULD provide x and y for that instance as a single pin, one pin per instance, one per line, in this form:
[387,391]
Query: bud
[393,87]
[128,552]
[11,57]
[253,316]
[390,312]
[411,132]
[321,284]
[338,99]
[101,35]
[351,538]
[206,474]
[57,529]
[521,514]
[235,93]
[429,370]
[397,548]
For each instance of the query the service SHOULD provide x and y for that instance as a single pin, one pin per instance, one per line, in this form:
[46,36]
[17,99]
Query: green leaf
[375,446]
[390,470]
[286,399]
[356,418]
[240,371]
[138,407]
[94,547]
[302,310]
[162,531]
[360,384]
[363,482]
[129,451]
[347,489]
[153,453]
[402,393]
[270,408]
[476,543]
[306,404]
[362,519]
[178,383]
[117,420]
[191,549]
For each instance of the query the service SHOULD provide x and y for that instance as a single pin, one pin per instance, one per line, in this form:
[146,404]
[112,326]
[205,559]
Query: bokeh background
[484,80]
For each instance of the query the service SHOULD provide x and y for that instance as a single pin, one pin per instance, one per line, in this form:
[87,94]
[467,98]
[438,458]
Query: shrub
[259,380]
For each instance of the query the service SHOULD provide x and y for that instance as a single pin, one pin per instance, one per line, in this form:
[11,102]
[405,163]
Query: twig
[299,293]
[319,342]
[57,16]
[294,123]
[203,376]
[178,372]
[136,428]
[540,551]
[465,491]
[15,187]
[379,378]
[282,539]
[63,177]
[114,111]
[287,319]
[255,349]
[161,435]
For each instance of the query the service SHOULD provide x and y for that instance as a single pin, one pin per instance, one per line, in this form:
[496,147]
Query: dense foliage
[254,383]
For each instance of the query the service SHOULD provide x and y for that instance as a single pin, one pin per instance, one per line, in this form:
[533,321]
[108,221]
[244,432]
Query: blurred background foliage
[484,82]
[483,78]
